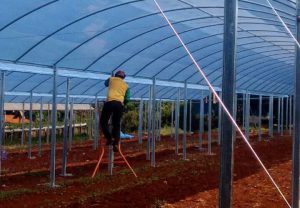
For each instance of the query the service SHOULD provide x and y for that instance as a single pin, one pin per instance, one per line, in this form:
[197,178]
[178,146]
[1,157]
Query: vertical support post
[65,136]
[271,116]
[259,117]
[177,122]
[40,128]
[48,124]
[53,130]
[149,122]
[291,110]
[110,160]
[244,111]
[286,113]
[159,121]
[296,134]
[23,120]
[30,127]
[219,119]
[228,91]
[278,116]
[71,125]
[209,124]
[190,118]
[140,128]
[2,119]
[201,121]
[145,119]
[96,128]
[153,123]
[282,116]
[234,116]
[172,119]
[247,116]
[184,122]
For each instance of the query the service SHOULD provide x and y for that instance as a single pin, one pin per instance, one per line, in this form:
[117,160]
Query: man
[118,95]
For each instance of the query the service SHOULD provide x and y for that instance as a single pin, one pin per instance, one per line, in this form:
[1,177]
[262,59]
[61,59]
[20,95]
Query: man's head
[121,74]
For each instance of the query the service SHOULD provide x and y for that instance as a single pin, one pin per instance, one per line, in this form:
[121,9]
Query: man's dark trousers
[112,109]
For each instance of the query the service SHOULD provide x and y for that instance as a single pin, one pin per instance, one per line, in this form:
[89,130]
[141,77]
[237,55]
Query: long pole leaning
[53,129]
[296,135]
[228,93]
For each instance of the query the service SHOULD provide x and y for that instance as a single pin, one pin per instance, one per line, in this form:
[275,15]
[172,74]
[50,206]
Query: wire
[223,105]
[283,23]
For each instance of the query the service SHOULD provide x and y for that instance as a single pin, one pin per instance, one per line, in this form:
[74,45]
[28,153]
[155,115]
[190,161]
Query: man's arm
[106,83]
[127,96]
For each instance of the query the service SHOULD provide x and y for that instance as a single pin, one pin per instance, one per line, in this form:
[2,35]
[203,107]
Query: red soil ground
[173,183]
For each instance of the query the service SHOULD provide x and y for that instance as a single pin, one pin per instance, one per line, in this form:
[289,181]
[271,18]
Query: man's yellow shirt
[116,89]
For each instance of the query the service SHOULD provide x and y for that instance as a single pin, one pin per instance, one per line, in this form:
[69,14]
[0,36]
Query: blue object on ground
[125,136]
[3,155]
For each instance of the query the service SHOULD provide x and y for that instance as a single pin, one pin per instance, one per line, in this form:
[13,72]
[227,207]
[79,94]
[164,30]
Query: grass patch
[14,193]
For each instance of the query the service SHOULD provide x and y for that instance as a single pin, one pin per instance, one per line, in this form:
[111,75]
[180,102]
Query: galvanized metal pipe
[65,135]
[296,133]
[228,91]
[96,128]
[53,130]
[247,116]
[281,118]
[2,120]
[30,127]
[259,117]
[209,123]
[172,119]
[71,124]
[290,117]
[278,116]
[153,162]
[286,113]
[23,119]
[159,115]
[234,116]
[149,123]
[48,124]
[201,122]
[140,127]
[271,116]
[184,122]
[177,122]
[219,120]
[40,128]
[190,118]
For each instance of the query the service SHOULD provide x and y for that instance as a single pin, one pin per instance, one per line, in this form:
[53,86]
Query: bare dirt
[172,183]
